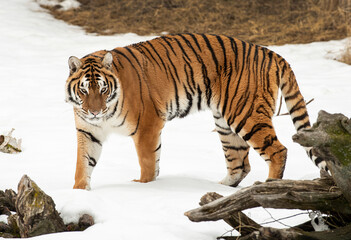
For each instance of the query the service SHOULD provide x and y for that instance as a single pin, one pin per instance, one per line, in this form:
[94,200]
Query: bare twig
[284,114]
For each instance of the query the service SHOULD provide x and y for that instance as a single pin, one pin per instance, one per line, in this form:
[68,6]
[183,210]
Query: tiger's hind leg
[259,134]
[236,152]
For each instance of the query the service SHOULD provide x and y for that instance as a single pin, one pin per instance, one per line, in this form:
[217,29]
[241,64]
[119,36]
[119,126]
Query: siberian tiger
[135,89]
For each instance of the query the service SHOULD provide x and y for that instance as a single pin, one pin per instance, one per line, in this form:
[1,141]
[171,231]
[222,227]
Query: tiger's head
[92,87]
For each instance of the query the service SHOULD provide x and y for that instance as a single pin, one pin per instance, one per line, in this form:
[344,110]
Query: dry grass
[346,55]
[258,21]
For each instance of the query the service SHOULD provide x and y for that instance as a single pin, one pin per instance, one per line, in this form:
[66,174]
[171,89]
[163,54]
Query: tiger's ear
[74,64]
[107,61]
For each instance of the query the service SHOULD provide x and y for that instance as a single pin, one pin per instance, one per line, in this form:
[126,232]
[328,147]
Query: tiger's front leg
[88,153]
[147,142]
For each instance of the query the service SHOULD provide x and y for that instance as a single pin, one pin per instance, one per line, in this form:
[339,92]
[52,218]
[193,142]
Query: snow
[34,52]
[63,5]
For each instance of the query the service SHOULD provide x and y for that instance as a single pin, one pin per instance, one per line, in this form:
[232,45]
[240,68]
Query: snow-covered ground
[34,50]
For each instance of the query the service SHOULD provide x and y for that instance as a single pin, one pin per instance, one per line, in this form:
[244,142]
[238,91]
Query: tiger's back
[174,75]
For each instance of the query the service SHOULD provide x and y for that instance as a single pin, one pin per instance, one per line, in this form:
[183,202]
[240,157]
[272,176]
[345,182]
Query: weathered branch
[319,194]
[238,220]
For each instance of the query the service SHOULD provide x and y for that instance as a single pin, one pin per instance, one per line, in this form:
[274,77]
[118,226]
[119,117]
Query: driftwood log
[330,138]
[35,213]
[36,210]
[319,194]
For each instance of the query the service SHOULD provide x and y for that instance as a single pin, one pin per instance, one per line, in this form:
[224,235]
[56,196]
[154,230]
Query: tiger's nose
[95,112]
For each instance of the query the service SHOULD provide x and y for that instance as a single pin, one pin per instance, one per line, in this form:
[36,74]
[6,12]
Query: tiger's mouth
[94,116]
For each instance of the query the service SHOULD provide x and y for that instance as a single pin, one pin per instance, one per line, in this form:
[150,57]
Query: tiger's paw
[231,181]
[273,179]
[142,180]
[82,185]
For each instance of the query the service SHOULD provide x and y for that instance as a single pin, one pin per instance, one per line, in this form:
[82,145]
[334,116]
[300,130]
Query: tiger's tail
[296,106]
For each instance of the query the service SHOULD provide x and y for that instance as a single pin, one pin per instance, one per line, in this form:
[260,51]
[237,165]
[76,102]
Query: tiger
[134,90]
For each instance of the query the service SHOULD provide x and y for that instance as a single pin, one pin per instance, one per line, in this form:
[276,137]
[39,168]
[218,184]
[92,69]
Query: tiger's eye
[104,89]
[82,90]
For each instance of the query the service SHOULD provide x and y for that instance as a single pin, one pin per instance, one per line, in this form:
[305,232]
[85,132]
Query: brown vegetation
[258,21]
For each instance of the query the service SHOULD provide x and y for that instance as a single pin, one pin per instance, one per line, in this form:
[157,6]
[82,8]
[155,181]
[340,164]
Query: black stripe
[268,103]
[277,74]
[136,128]
[225,128]
[72,100]
[299,118]
[309,153]
[191,83]
[219,39]
[169,45]
[224,133]
[240,75]
[217,117]
[226,96]
[208,44]
[123,121]
[153,48]
[90,136]
[263,111]
[187,43]
[269,90]
[199,98]
[292,96]
[237,168]
[283,70]
[280,151]
[152,56]
[231,159]
[268,141]
[175,92]
[296,107]
[130,51]
[71,82]
[113,112]
[207,83]
[241,103]
[195,40]
[158,148]
[91,161]
[121,53]
[234,47]
[258,127]
[305,125]
[243,121]
[190,103]
[318,160]
[115,66]
[240,148]
[171,62]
